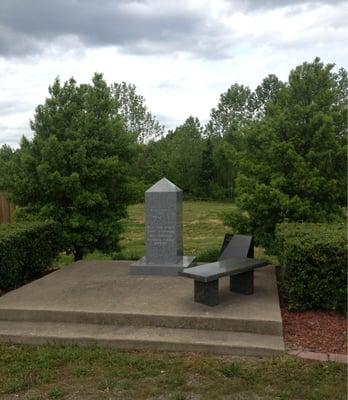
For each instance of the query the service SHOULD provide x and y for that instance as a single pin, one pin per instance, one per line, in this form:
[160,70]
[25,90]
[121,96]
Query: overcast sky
[180,54]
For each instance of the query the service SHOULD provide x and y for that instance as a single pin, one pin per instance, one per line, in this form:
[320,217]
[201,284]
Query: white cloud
[180,71]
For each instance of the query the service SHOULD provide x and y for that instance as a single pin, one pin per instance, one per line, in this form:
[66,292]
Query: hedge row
[314,265]
[26,250]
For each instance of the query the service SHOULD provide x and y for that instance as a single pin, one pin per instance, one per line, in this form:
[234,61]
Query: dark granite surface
[163,232]
[237,246]
[207,292]
[215,270]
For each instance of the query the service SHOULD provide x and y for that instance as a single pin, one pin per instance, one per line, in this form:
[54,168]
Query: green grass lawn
[202,225]
[203,232]
[52,372]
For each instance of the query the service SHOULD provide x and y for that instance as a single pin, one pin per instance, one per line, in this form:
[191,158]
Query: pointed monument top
[164,185]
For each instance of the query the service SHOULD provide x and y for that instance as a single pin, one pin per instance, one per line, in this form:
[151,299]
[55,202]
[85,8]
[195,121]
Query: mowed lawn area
[53,372]
[202,225]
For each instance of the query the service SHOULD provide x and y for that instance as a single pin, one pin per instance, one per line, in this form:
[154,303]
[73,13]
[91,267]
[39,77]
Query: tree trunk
[78,255]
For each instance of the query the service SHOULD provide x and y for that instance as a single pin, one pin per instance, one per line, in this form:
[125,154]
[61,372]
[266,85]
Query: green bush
[208,255]
[26,250]
[314,261]
[123,255]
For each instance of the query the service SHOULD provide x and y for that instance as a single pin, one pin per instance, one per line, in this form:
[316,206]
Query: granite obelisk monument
[164,239]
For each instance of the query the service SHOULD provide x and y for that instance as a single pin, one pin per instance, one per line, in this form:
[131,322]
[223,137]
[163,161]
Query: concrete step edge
[126,337]
[266,327]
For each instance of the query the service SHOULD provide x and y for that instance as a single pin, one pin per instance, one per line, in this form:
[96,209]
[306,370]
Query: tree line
[279,152]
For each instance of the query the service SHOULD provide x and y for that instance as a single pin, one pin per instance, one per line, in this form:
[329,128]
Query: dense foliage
[279,152]
[7,157]
[178,157]
[293,162]
[314,265]
[26,250]
[76,168]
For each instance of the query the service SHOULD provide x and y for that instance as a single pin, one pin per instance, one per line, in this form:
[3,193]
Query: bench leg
[242,283]
[207,292]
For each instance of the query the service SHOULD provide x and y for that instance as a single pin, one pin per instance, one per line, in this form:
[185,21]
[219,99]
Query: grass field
[49,372]
[202,225]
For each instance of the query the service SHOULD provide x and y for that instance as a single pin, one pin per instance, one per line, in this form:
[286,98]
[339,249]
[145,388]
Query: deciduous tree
[75,170]
[137,117]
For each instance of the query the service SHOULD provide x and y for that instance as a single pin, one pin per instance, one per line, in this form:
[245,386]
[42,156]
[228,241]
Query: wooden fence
[6,210]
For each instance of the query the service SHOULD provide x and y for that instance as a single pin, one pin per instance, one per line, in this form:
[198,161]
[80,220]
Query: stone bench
[206,278]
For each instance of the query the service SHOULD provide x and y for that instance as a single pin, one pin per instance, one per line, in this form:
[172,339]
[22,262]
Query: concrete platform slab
[103,292]
[156,338]
[99,303]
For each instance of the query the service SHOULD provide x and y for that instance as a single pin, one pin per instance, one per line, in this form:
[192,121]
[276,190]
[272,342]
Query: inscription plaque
[164,240]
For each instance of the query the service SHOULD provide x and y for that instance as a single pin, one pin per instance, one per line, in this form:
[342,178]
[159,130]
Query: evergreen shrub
[313,260]
[26,250]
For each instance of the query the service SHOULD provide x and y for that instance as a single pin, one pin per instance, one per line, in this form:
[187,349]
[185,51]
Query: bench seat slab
[242,283]
[207,292]
[218,269]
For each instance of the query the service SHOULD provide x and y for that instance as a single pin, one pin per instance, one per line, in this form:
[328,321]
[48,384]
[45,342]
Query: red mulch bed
[317,331]
[313,330]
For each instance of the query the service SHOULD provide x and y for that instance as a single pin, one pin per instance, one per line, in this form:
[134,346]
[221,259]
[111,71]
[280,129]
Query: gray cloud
[135,27]
[15,43]
[12,135]
[26,25]
[8,107]
[169,84]
[273,4]
[167,121]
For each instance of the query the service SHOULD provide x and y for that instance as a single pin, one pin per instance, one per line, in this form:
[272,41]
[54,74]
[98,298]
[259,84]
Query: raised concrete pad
[89,293]
[156,338]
